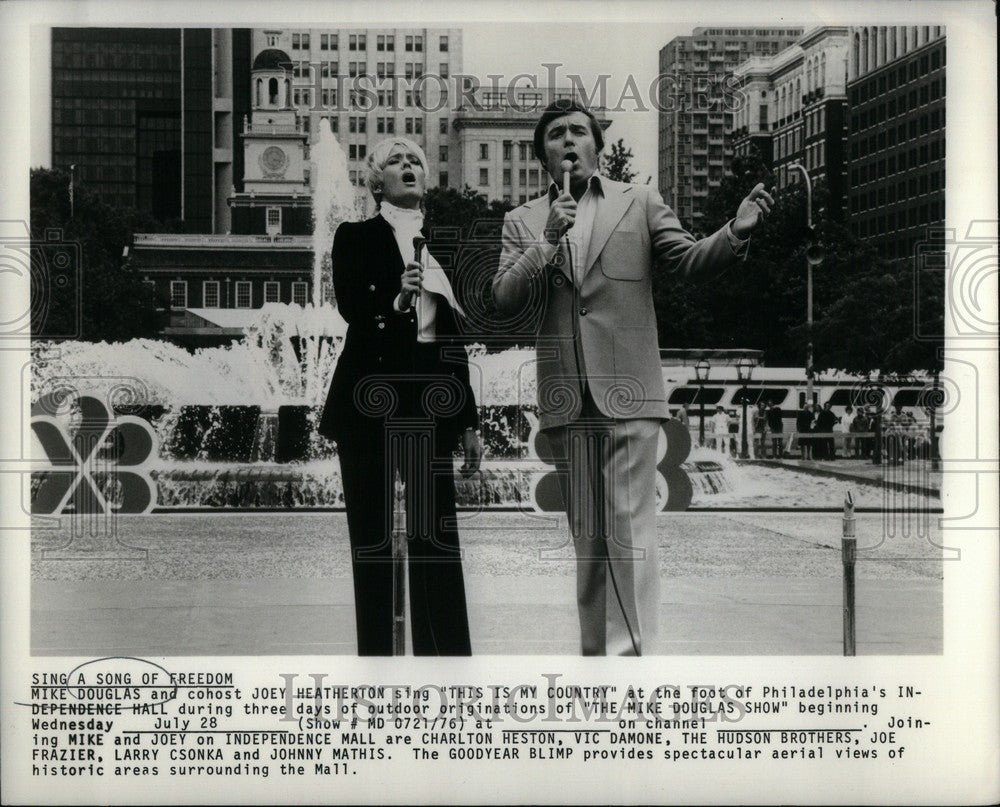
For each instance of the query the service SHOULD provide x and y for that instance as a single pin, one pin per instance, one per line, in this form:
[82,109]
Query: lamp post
[814,256]
[701,373]
[744,367]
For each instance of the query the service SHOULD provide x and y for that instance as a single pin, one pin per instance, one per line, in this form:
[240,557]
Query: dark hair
[557,109]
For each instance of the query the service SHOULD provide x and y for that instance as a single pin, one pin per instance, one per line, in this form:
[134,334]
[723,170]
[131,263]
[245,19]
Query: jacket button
[371,288]
[583,312]
[381,326]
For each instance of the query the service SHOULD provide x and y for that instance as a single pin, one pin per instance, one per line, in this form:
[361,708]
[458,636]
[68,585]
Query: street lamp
[701,373]
[744,367]
[814,257]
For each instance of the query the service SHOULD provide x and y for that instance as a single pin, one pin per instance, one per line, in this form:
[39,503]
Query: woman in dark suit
[400,400]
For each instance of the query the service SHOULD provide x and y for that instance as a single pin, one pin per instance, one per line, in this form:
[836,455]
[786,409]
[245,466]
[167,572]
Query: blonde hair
[379,157]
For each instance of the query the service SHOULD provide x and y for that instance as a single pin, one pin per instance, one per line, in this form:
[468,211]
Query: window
[484,176]
[418,44]
[506,176]
[508,150]
[380,43]
[334,41]
[357,152]
[443,126]
[296,41]
[386,125]
[243,294]
[305,41]
[443,154]
[274,216]
[443,70]
[210,294]
[408,44]
[390,43]
[357,125]
[484,151]
[300,290]
[443,179]
[443,44]
[178,293]
[272,291]
[324,42]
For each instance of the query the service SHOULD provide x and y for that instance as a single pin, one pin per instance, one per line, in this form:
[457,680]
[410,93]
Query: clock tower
[276,197]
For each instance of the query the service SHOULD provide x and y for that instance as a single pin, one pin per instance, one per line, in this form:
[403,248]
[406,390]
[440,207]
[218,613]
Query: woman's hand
[412,283]
[473,452]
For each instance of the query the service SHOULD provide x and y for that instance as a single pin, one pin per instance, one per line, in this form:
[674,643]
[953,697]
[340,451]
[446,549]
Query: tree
[104,294]
[617,164]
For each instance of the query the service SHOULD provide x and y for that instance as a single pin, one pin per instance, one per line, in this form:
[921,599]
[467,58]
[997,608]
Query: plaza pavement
[257,584]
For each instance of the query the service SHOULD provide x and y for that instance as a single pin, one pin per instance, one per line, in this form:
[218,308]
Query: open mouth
[571,156]
[409,177]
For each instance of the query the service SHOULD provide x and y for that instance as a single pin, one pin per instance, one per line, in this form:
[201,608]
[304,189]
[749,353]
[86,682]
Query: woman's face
[403,180]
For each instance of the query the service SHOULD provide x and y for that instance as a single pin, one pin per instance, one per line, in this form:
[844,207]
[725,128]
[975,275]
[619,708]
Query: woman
[399,401]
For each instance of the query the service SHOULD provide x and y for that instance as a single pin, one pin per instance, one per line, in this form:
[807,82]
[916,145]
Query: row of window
[898,76]
[928,152]
[815,121]
[411,70]
[915,99]
[912,188]
[211,293]
[901,219]
[890,136]
[383,125]
[356,42]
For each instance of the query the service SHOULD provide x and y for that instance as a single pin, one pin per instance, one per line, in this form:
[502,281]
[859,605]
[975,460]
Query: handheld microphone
[418,247]
[566,166]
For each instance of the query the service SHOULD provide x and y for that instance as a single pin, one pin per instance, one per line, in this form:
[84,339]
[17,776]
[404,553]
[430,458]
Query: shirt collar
[594,184]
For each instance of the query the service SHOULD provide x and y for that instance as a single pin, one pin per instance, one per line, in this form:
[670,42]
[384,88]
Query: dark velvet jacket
[384,377]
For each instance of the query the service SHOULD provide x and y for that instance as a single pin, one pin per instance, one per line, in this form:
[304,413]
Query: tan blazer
[602,333]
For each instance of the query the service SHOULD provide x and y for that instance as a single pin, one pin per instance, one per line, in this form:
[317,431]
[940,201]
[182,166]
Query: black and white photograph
[637,364]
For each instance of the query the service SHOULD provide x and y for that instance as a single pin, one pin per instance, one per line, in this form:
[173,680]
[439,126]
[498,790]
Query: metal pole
[848,551]
[701,416]
[810,372]
[935,448]
[399,567]
[744,453]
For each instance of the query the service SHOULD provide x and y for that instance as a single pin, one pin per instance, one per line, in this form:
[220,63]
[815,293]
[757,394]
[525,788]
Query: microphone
[566,166]
[418,247]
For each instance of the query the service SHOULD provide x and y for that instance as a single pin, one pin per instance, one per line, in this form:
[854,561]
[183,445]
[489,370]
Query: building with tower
[696,105]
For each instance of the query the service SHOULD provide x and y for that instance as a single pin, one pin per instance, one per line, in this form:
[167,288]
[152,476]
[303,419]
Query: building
[210,284]
[371,83]
[896,142]
[494,141]
[143,117]
[794,109]
[696,103]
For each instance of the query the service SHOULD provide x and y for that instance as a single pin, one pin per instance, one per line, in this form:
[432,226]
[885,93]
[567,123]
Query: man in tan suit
[582,262]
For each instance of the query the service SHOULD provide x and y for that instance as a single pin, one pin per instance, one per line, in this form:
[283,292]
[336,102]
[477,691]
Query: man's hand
[473,452]
[752,211]
[562,214]
[412,283]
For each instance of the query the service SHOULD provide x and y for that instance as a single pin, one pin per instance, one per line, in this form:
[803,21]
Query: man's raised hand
[752,211]
[562,214]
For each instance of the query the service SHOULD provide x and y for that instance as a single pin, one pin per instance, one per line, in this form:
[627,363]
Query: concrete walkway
[913,476]
[739,584]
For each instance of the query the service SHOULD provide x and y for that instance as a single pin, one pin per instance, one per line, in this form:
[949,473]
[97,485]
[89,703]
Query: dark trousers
[439,622]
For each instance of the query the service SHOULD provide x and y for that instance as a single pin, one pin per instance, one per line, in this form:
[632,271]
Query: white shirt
[406,224]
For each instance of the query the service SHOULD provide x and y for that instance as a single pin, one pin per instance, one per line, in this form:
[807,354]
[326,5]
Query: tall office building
[794,107]
[145,117]
[696,109]
[896,91]
[408,89]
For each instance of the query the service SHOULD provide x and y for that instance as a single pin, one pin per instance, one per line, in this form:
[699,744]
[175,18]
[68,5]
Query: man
[581,262]
[826,420]
[720,430]
[759,442]
[776,425]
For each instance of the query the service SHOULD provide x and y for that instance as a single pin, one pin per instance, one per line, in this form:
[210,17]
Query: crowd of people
[819,433]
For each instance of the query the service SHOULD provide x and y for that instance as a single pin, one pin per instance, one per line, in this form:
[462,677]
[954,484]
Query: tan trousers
[607,475]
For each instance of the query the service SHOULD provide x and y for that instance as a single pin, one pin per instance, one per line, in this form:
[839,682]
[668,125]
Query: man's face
[570,138]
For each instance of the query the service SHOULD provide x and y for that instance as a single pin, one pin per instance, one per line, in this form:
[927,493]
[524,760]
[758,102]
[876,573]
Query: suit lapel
[610,210]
